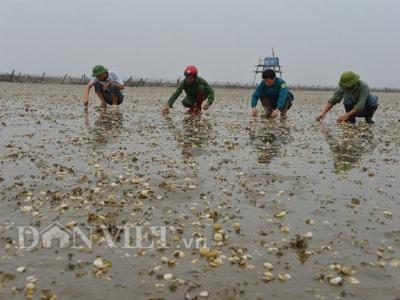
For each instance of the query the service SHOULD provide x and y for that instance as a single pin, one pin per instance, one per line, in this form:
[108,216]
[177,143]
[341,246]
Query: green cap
[98,70]
[348,79]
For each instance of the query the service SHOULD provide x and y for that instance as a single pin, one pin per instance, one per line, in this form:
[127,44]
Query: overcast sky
[315,39]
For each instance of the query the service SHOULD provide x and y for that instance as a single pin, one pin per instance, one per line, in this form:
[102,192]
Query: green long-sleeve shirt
[359,94]
[192,89]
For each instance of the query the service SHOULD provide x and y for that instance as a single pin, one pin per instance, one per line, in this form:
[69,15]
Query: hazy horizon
[315,39]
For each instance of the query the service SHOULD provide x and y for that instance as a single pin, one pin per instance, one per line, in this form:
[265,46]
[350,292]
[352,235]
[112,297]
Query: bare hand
[342,119]
[254,112]
[206,106]
[320,117]
[165,109]
[274,114]
[86,99]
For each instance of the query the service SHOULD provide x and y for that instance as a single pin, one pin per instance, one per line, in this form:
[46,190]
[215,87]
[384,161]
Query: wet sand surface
[287,209]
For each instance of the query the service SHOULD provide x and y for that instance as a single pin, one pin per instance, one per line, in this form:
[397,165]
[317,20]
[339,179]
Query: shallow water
[59,163]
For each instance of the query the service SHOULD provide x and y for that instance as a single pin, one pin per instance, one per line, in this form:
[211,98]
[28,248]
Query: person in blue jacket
[274,94]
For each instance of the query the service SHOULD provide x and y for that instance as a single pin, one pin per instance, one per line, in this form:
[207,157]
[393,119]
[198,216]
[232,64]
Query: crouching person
[357,99]
[108,86]
[274,94]
[197,91]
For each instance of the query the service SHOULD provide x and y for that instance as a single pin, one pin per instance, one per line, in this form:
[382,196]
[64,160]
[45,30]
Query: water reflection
[269,139]
[349,146]
[107,127]
[194,136]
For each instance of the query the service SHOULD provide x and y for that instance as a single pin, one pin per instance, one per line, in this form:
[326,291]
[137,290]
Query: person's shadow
[194,136]
[269,139]
[106,128]
[349,146]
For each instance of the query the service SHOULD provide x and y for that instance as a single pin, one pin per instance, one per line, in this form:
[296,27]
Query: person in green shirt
[197,90]
[358,101]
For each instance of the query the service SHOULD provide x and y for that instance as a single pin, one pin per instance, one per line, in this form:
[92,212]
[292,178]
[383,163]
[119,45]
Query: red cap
[191,71]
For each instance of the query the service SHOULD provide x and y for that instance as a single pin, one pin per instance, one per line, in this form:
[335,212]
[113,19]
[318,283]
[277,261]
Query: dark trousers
[109,93]
[271,104]
[195,102]
[368,111]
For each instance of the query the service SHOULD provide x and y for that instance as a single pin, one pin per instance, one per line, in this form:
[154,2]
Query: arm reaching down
[337,97]
[326,109]
[210,94]
[176,94]
[343,118]
[86,92]
[256,96]
[254,99]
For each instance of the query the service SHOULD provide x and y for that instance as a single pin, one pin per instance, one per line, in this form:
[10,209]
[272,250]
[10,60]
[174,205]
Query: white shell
[336,281]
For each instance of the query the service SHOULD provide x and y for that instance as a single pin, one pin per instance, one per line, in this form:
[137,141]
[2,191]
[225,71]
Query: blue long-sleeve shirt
[277,92]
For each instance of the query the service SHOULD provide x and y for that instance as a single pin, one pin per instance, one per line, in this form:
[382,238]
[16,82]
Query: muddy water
[318,202]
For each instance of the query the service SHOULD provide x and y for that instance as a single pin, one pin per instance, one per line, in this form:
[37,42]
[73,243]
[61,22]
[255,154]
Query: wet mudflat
[282,209]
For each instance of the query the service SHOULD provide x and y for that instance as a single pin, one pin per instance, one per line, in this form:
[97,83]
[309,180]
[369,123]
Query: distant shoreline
[145,82]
